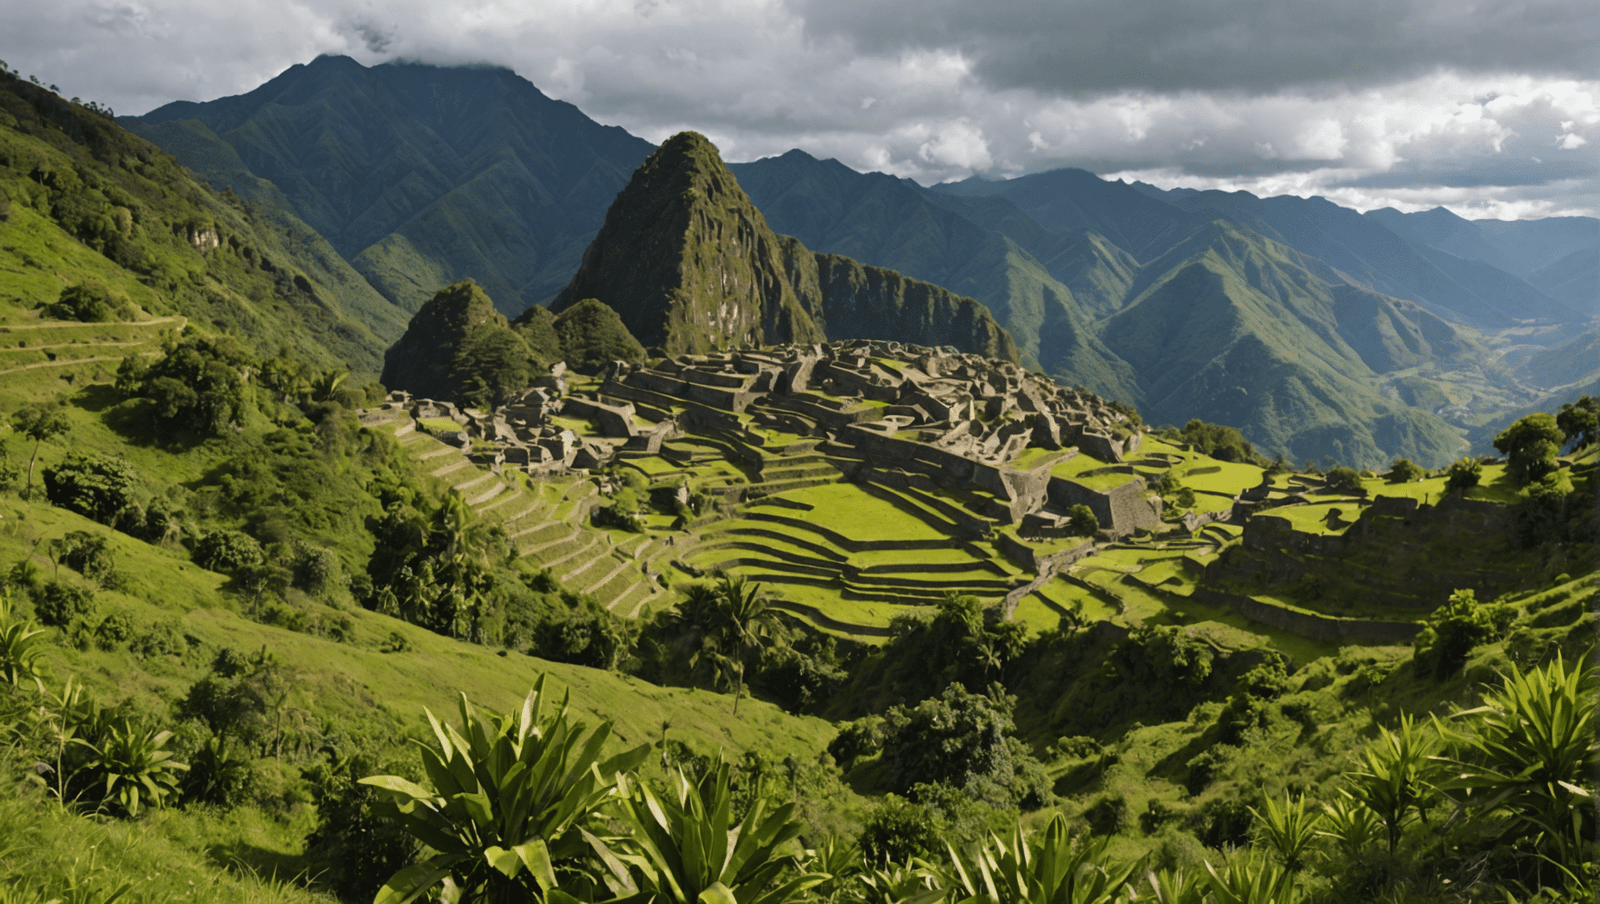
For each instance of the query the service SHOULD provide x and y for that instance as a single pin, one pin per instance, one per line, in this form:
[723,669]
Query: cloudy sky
[1489,108]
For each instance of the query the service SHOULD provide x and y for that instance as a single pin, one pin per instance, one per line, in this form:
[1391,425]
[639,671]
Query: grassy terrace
[1312,518]
[849,510]
[1033,456]
[1077,469]
[1225,477]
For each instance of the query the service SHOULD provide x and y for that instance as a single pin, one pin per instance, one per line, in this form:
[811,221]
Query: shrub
[863,737]
[228,551]
[1343,478]
[90,302]
[1463,474]
[89,555]
[898,830]
[1404,470]
[95,486]
[1083,521]
[59,605]
[1108,815]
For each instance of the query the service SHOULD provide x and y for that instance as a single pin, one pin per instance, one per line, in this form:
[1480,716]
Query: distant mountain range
[1321,332]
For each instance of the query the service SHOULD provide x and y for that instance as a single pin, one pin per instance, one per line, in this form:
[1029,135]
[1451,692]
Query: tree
[94,486]
[745,622]
[1343,478]
[198,385]
[1580,421]
[39,423]
[1530,446]
[1463,474]
[1404,470]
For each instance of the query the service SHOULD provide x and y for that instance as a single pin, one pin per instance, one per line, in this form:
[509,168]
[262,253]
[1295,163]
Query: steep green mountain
[419,176]
[1358,358]
[1462,289]
[891,223]
[690,265]
[86,200]
[1286,355]
[688,262]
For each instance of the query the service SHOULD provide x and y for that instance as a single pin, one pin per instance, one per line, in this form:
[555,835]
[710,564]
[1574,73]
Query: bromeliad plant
[135,768]
[1524,764]
[19,649]
[509,806]
[688,849]
[1055,869]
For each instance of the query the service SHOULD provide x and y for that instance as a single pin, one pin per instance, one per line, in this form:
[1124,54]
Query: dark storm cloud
[1493,106]
[1229,45]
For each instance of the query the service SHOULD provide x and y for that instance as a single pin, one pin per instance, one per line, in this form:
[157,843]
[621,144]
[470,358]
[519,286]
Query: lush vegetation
[228,587]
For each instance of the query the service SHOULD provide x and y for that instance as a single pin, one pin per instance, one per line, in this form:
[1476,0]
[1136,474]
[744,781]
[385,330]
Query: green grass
[653,465]
[1311,518]
[1077,467]
[1032,457]
[1430,490]
[851,511]
[1229,478]
[1495,485]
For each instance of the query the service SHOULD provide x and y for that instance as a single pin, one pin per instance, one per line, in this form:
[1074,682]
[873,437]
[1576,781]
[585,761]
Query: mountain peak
[688,261]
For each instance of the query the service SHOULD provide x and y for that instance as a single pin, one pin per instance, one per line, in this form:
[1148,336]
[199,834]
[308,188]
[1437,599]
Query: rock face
[691,267]
[688,262]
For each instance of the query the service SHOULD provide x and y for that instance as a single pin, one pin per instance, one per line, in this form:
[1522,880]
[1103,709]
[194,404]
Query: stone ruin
[880,410]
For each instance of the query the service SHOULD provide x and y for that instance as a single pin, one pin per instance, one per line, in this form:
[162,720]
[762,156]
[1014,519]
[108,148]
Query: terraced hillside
[546,521]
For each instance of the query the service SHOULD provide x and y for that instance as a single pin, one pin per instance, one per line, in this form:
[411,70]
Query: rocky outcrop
[691,266]
[688,262]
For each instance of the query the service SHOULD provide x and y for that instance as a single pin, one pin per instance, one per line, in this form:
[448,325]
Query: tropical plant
[19,651]
[1054,869]
[135,767]
[509,804]
[745,623]
[1244,881]
[1176,886]
[914,882]
[1288,830]
[1527,756]
[1397,777]
[1350,823]
[686,848]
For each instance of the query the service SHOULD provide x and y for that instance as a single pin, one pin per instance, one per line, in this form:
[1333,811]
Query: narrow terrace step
[452,467]
[585,565]
[585,548]
[542,534]
[473,483]
[435,453]
[619,568]
[501,500]
[408,427]
[497,489]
